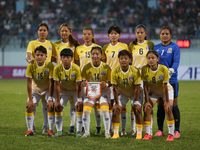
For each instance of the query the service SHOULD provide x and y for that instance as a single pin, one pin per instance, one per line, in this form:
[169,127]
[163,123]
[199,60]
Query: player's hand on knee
[50,106]
[30,106]
[84,83]
[147,107]
[79,107]
[116,109]
[57,106]
[137,109]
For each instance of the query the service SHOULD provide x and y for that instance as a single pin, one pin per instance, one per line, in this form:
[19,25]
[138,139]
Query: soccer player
[42,32]
[169,54]
[83,55]
[156,86]
[67,41]
[67,81]
[139,48]
[39,83]
[110,56]
[96,73]
[126,80]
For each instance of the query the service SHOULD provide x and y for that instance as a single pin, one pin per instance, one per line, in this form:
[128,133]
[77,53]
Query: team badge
[72,48]
[130,78]
[93,90]
[50,48]
[46,71]
[73,75]
[103,73]
[161,77]
[169,50]
[119,50]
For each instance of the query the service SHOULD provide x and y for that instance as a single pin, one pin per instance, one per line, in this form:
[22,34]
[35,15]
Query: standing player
[139,48]
[110,56]
[39,83]
[83,55]
[67,81]
[156,86]
[67,41]
[169,54]
[96,73]
[126,80]
[42,32]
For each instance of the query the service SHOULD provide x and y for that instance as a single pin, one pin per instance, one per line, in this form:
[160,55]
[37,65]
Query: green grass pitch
[13,97]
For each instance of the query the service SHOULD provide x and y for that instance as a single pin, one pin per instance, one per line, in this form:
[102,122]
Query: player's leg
[72,116]
[44,111]
[110,107]
[137,107]
[30,114]
[147,117]
[123,120]
[79,113]
[87,108]
[97,112]
[170,118]
[176,111]
[160,117]
[104,103]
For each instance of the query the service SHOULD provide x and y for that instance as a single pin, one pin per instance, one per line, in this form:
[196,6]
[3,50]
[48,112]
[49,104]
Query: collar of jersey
[67,69]
[89,46]
[41,42]
[142,43]
[63,42]
[40,66]
[126,71]
[98,66]
[156,69]
[114,45]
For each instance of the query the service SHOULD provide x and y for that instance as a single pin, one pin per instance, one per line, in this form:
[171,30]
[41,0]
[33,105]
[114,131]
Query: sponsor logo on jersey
[161,77]
[119,50]
[157,50]
[147,47]
[131,78]
[169,50]
[103,73]
[50,48]
[46,71]
[73,75]
[72,48]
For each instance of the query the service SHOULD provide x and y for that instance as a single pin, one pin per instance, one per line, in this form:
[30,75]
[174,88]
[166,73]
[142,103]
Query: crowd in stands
[183,16]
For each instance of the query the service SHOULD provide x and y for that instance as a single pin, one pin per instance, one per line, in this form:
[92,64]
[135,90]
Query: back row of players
[95,66]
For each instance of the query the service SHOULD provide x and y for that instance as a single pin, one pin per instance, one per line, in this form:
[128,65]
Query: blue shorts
[175,87]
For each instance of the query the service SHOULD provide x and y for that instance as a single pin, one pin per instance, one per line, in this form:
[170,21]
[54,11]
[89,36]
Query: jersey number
[40,75]
[96,76]
[140,51]
[87,54]
[162,52]
[154,80]
[125,81]
[66,78]
[113,54]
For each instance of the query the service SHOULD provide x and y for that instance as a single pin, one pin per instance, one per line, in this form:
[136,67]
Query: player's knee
[137,109]
[116,110]
[168,111]
[30,109]
[79,107]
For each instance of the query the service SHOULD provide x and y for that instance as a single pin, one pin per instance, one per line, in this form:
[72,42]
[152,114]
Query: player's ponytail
[89,28]
[139,26]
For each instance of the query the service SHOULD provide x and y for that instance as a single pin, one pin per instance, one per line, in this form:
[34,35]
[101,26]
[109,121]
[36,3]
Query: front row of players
[98,78]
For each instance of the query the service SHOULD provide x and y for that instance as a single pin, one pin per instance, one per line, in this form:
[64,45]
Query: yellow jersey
[59,46]
[155,79]
[40,76]
[47,44]
[111,53]
[97,74]
[139,52]
[126,81]
[83,53]
[67,78]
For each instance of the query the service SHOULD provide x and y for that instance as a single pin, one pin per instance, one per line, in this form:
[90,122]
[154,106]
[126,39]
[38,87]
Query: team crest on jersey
[130,78]
[147,47]
[90,72]
[103,73]
[169,50]
[161,77]
[73,75]
[50,48]
[119,50]
[72,48]
[46,71]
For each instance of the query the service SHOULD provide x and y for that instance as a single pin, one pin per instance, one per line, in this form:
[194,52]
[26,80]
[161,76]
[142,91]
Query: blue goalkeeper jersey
[170,57]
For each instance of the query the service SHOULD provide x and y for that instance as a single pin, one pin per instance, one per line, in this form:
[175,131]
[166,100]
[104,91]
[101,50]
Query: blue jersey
[170,57]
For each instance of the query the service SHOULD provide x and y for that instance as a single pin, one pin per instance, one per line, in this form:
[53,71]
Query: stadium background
[19,21]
